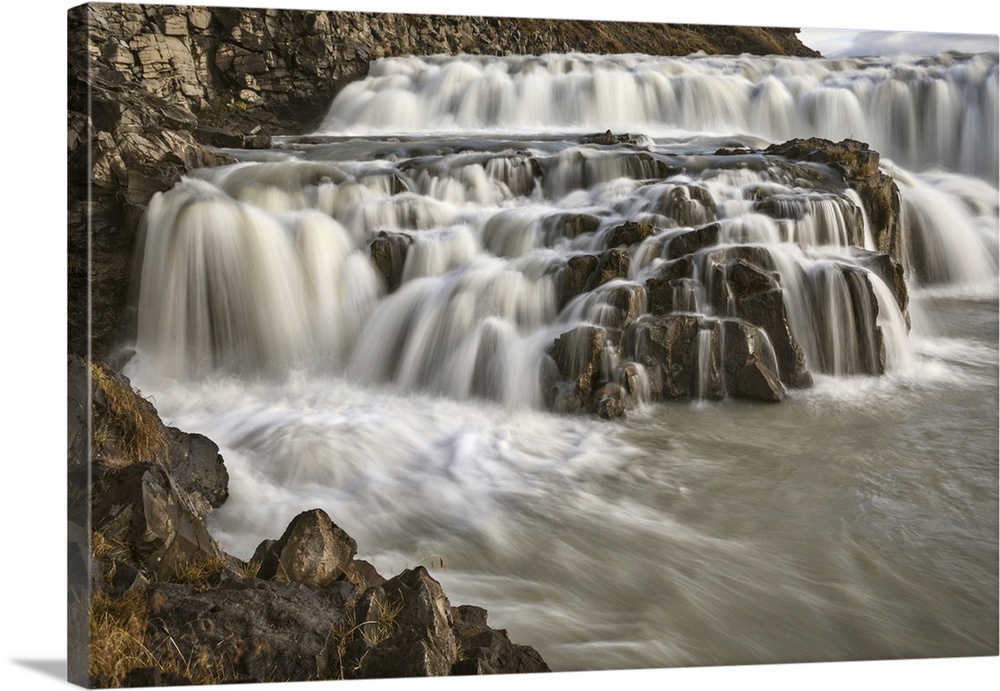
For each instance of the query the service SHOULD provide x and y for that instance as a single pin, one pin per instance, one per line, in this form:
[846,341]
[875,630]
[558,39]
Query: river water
[857,519]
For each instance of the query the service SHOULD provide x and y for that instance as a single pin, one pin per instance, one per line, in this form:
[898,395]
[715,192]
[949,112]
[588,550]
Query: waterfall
[418,317]
[452,264]
[930,112]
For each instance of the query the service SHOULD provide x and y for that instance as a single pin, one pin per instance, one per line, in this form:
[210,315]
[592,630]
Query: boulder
[313,551]
[744,286]
[388,252]
[692,241]
[573,278]
[687,205]
[568,226]
[612,264]
[749,363]
[578,355]
[198,468]
[629,233]
[858,166]
[667,347]
[662,288]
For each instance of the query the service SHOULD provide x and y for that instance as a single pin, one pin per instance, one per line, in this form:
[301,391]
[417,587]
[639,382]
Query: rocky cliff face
[152,88]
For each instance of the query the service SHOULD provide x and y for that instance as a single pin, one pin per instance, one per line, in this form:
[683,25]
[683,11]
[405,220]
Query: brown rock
[313,551]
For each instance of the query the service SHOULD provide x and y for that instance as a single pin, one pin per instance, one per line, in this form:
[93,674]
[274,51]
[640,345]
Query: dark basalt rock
[246,629]
[140,508]
[402,628]
[892,273]
[573,278]
[687,205]
[750,365]
[667,347]
[858,166]
[578,357]
[744,286]
[388,252]
[568,226]
[661,289]
[692,241]
[612,264]
[630,233]
[486,650]
[198,468]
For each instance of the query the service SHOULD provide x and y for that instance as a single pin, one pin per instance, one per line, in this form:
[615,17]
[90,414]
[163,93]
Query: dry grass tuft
[198,571]
[117,634]
[138,433]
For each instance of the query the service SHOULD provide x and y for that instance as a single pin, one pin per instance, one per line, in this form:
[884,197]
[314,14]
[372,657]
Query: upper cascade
[932,112]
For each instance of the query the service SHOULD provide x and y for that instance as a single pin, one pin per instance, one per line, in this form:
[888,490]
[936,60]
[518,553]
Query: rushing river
[856,519]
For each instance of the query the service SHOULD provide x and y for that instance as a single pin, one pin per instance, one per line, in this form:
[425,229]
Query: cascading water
[933,111]
[417,326]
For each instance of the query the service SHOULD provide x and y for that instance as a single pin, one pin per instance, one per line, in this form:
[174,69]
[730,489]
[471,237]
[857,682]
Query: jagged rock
[687,205]
[198,468]
[745,287]
[692,241]
[402,628]
[756,380]
[126,429]
[868,337]
[140,508]
[612,264]
[630,233]
[487,651]
[578,356]
[568,226]
[858,166]
[623,304]
[313,551]
[749,365]
[666,346]
[388,253]
[892,273]
[610,401]
[662,289]
[573,278]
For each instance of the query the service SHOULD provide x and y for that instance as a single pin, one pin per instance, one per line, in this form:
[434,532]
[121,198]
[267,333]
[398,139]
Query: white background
[32,384]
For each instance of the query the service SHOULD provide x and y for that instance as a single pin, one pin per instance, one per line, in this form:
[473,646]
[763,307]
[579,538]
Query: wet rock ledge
[159,602]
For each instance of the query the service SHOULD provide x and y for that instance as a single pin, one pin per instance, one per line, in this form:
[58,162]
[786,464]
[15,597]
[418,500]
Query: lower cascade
[426,313]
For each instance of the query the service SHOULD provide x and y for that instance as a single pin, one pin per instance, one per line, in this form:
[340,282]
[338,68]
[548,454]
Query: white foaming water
[713,532]
[896,105]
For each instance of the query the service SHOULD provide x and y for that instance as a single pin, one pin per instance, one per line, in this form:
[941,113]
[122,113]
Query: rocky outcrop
[313,551]
[161,603]
[858,166]
[155,89]
[654,342]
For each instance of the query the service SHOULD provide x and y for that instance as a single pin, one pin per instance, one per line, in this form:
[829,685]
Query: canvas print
[408,345]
